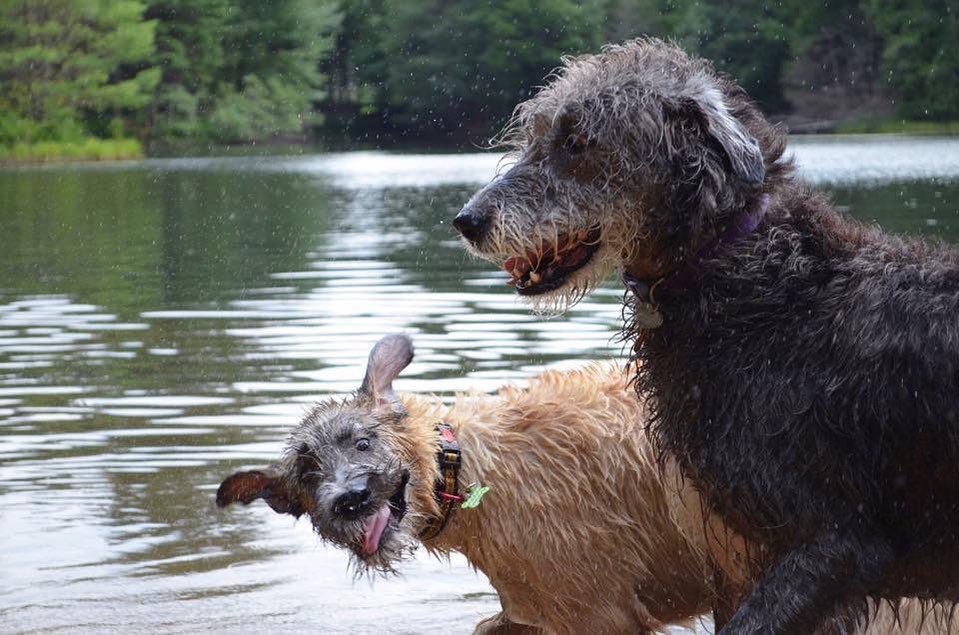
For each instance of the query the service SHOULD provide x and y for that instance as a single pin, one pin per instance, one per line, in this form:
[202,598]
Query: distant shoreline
[84,150]
[100,150]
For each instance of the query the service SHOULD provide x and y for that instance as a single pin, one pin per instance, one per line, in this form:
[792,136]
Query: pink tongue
[373,531]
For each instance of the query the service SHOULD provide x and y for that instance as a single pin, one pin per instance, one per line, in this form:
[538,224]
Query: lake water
[164,323]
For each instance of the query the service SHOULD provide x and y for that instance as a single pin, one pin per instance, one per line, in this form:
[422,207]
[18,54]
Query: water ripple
[178,328]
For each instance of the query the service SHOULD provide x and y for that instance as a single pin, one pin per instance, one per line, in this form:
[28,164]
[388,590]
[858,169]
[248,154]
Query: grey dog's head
[624,160]
[349,467]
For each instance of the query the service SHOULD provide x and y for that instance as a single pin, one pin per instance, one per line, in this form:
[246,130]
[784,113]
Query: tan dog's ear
[388,358]
[246,487]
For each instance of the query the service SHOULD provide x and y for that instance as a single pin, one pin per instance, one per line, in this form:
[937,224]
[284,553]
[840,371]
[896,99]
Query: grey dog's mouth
[535,273]
[386,519]
[397,501]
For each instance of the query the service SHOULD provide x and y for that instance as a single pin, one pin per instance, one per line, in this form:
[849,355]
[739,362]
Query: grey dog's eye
[363,445]
[576,144]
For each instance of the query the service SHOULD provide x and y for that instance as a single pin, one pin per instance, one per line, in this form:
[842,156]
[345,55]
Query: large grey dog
[802,368]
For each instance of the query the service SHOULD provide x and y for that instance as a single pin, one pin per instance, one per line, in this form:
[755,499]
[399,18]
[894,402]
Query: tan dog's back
[582,532]
[575,534]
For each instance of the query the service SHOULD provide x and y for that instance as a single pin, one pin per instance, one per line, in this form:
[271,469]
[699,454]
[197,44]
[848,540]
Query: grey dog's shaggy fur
[806,378]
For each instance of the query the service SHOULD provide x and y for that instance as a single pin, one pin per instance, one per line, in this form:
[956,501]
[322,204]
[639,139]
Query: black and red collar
[450,460]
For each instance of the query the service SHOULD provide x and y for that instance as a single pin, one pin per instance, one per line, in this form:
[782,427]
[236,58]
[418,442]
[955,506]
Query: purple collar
[744,224]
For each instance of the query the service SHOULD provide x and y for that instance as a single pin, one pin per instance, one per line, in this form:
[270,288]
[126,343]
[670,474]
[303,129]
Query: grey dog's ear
[707,104]
[388,358]
[246,487]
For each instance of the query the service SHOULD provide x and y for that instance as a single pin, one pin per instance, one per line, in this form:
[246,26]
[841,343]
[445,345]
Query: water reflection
[164,323]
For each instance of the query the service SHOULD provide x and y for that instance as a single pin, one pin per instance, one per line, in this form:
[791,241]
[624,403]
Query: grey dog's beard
[620,235]
[397,547]
[579,284]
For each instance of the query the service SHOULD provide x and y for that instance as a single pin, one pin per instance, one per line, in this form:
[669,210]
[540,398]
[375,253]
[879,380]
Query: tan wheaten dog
[579,532]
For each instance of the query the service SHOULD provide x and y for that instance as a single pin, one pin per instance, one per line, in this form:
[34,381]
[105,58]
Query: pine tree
[72,67]
[270,82]
[190,55]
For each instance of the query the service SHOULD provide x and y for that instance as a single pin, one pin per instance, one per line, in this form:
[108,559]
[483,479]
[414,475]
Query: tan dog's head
[624,160]
[352,467]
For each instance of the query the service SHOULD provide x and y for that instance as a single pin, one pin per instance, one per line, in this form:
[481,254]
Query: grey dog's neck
[686,274]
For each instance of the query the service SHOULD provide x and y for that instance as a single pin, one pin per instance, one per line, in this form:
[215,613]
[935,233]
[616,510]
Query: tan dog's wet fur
[580,532]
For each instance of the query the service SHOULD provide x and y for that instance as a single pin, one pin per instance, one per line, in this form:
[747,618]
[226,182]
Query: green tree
[835,51]
[240,70]
[270,80]
[746,40]
[189,42]
[357,57]
[72,67]
[920,59]
[441,66]
[628,19]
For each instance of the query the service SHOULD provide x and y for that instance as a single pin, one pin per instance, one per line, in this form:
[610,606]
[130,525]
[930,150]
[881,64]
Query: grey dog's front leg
[808,584]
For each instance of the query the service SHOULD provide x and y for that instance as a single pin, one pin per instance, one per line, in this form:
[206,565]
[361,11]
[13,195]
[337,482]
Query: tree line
[229,71]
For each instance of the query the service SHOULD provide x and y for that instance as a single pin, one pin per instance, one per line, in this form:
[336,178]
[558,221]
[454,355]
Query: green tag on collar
[476,495]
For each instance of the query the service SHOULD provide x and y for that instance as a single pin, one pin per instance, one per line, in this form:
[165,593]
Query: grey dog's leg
[811,581]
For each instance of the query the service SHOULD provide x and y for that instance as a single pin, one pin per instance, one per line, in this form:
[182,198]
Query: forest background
[108,78]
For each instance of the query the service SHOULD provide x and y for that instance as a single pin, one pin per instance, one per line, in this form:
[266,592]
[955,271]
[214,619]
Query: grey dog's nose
[471,223]
[351,502]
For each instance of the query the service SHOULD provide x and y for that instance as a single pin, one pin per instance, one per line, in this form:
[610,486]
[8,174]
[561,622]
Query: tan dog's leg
[729,595]
[500,624]
[728,562]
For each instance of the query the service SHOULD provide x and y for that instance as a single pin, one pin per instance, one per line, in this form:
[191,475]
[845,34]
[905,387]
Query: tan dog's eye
[363,445]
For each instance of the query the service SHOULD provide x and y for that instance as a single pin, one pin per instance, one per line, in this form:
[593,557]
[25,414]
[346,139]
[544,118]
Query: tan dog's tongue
[373,532]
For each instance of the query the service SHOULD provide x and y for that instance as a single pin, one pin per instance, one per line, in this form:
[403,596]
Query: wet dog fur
[807,380]
[580,532]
